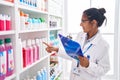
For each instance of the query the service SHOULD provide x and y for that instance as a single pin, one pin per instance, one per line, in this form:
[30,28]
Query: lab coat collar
[96,38]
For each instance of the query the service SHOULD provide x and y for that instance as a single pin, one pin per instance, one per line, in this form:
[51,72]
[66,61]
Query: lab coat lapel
[83,39]
[96,39]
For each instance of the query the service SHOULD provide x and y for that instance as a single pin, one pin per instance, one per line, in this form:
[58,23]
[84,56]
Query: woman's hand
[50,48]
[84,62]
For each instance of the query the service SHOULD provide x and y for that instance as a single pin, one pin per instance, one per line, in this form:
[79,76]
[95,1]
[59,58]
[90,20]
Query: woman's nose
[80,24]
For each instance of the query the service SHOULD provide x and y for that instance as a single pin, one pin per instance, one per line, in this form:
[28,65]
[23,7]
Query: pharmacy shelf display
[24,25]
[55,27]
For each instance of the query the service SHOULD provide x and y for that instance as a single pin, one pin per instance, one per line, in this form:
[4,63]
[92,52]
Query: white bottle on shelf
[37,43]
[44,52]
[41,47]
[21,54]
[39,4]
[34,78]
[22,21]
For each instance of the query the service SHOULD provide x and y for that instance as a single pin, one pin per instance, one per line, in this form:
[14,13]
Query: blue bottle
[38,77]
[45,73]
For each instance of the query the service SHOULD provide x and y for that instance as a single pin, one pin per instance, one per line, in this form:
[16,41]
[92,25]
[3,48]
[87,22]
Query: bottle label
[2,63]
[25,60]
[35,53]
[10,60]
[8,25]
[2,25]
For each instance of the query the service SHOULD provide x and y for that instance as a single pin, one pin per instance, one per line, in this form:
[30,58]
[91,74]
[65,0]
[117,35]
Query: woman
[93,46]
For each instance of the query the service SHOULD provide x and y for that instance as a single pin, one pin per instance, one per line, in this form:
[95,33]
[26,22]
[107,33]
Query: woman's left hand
[84,62]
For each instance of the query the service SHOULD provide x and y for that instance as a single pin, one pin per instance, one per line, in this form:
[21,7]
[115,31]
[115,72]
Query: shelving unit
[5,3]
[7,32]
[10,77]
[58,75]
[42,32]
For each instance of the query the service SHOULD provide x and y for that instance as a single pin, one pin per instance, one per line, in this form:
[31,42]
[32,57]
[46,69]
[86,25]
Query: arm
[50,48]
[101,66]
[60,52]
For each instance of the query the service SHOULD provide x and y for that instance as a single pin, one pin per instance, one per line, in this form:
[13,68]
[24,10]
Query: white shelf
[60,16]
[33,64]
[7,32]
[56,28]
[36,30]
[10,77]
[31,9]
[6,3]
[59,73]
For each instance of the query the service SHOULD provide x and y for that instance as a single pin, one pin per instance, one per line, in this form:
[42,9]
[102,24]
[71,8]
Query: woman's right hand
[50,48]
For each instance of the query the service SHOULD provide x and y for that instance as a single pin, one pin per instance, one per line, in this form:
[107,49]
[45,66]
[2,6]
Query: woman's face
[86,24]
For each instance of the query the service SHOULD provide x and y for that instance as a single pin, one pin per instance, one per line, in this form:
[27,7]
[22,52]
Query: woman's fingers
[48,50]
[81,58]
[46,44]
[83,61]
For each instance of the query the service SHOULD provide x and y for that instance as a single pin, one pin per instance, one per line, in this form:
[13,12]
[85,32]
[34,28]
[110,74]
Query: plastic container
[8,22]
[25,53]
[30,52]
[39,76]
[2,60]
[10,57]
[38,48]
[45,73]
[34,51]
[2,22]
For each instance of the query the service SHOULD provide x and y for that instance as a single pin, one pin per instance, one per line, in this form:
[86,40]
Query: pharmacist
[93,45]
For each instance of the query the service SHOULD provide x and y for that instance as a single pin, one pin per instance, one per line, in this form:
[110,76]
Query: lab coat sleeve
[101,67]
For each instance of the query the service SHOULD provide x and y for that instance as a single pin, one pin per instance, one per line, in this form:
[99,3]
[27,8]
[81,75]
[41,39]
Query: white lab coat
[98,62]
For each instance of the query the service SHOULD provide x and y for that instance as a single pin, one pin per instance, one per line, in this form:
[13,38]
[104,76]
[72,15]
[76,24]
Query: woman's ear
[94,22]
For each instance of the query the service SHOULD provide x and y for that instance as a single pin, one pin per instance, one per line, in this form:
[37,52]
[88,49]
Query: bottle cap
[7,40]
[1,42]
